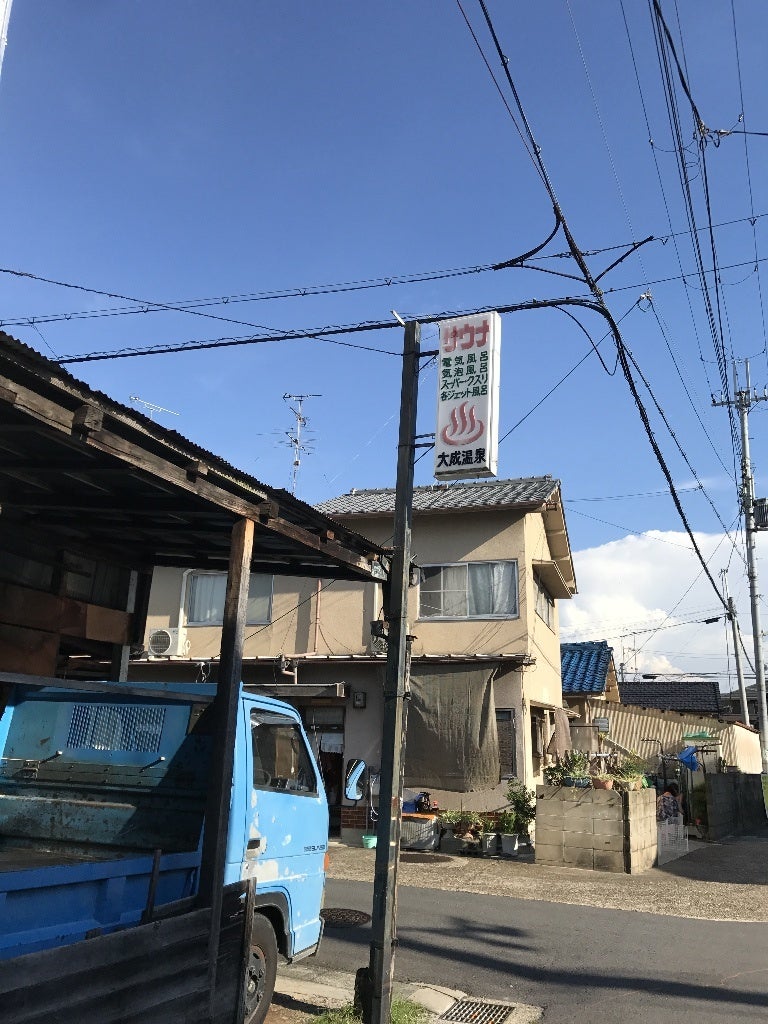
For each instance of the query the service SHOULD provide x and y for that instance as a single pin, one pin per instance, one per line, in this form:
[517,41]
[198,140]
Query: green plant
[487,823]
[506,821]
[523,803]
[468,822]
[553,775]
[631,765]
[449,819]
[403,1012]
[576,764]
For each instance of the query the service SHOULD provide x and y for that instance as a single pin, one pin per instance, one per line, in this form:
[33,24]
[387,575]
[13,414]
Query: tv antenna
[151,407]
[294,436]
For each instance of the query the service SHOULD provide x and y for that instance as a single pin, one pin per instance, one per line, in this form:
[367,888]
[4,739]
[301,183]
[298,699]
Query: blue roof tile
[585,666]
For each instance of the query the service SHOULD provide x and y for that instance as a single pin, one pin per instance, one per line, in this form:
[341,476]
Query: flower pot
[451,843]
[509,844]
[488,844]
[602,783]
[568,780]
[582,783]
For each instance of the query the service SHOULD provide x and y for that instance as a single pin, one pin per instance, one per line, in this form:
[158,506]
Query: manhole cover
[475,1011]
[424,858]
[341,917]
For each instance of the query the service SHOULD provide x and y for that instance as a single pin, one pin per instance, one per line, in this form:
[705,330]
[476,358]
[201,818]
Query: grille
[115,727]
[475,1011]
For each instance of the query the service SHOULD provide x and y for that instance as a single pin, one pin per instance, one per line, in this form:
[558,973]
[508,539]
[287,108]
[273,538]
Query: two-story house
[494,559]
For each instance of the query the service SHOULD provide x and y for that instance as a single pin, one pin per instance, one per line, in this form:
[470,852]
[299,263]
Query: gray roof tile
[696,695]
[525,492]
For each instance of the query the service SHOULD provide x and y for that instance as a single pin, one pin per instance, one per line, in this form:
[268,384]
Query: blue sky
[185,150]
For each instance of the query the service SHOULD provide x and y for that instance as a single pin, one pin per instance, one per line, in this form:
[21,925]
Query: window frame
[542,594]
[473,618]
[216,623]
[305,748]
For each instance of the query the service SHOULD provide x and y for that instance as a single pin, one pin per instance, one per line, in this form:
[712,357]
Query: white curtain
[492,588]
[206,597]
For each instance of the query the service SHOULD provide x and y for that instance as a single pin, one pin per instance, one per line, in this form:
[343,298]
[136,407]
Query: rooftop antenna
[151,407]
[294,436]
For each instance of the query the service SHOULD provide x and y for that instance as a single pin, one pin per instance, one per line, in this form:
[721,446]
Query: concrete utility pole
[373,984]
[743,400]
[736,648]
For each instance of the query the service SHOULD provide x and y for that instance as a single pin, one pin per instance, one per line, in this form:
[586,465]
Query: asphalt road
[582,964]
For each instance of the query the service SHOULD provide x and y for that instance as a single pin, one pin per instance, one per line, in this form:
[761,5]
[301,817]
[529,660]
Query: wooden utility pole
[373,987]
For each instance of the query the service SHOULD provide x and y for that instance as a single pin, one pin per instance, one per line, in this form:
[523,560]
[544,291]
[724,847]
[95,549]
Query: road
[582,964]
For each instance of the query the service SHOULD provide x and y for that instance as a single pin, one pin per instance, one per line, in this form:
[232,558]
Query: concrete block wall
[597,829]
[734,804]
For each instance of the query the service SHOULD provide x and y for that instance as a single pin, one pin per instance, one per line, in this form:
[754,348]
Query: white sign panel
[467,437]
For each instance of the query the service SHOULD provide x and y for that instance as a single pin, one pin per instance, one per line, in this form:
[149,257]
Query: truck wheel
[261,971]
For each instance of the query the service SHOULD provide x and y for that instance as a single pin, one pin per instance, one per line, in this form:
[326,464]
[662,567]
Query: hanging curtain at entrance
[451,741]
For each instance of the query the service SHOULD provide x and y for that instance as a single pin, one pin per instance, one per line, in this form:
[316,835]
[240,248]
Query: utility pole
[736,650]
[373,984]
[743,400]
[294,438]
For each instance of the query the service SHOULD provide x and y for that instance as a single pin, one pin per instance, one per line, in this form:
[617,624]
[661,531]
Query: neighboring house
[494,560]
[588,672]
[731,705]
[698,696]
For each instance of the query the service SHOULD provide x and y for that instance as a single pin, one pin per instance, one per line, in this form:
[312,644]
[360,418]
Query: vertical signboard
[467,437]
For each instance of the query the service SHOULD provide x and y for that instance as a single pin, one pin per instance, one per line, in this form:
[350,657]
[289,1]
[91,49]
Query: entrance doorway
[325,728]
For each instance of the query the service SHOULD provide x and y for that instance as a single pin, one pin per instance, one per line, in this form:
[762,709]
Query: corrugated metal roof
[525,492]
[701,696]
[585,666]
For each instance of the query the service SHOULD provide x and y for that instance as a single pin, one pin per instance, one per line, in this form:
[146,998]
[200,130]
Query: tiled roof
[701,696]
[526,492]
[585,666]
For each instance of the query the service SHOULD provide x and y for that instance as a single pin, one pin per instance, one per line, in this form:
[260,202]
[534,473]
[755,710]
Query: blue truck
[102,809]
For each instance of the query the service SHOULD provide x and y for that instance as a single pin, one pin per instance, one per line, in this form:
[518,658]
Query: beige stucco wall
[333,618]
[629,725]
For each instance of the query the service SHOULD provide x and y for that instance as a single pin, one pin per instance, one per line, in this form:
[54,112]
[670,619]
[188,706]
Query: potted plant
[554,774]
[629,774]
[523,802]
[451,831]
[488,835]
[506,823]
[602,781]
[576,765]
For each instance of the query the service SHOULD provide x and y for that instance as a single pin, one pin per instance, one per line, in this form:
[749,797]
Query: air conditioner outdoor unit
[167,643]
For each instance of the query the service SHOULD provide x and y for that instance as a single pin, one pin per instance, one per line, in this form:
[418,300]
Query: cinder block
[608,811]
[548,836]
[608,861]
[549,854]
[608,826]
[579,858]
[578,841]
[613,843]
[578,820]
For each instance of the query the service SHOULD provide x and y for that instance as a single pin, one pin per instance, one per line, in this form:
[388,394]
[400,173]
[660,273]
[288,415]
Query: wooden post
[374,983]
[225,708]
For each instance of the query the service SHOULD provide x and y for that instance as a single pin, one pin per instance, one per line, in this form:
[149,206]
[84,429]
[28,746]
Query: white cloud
[629,587]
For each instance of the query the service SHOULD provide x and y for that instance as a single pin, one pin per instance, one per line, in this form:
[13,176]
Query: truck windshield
[280,756]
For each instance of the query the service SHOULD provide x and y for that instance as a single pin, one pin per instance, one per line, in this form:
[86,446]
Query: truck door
[287,821]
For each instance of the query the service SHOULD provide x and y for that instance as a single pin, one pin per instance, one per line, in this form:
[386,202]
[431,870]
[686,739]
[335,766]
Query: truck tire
[261,970]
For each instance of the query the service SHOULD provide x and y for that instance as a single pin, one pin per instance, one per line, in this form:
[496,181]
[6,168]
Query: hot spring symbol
[464,428]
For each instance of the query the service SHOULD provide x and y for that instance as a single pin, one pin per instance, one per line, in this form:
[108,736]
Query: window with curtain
[205,599]
[469,590]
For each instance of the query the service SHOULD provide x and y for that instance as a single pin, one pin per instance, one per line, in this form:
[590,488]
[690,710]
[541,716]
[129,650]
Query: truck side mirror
[353,779]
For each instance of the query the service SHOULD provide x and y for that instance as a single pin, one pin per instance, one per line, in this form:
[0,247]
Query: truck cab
[103,792]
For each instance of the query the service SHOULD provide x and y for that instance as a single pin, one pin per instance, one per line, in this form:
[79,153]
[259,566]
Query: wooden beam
[62,420]
[225,710]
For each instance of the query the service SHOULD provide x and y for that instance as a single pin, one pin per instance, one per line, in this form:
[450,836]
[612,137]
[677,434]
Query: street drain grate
[424,858]
[475,1011]
[341,917]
